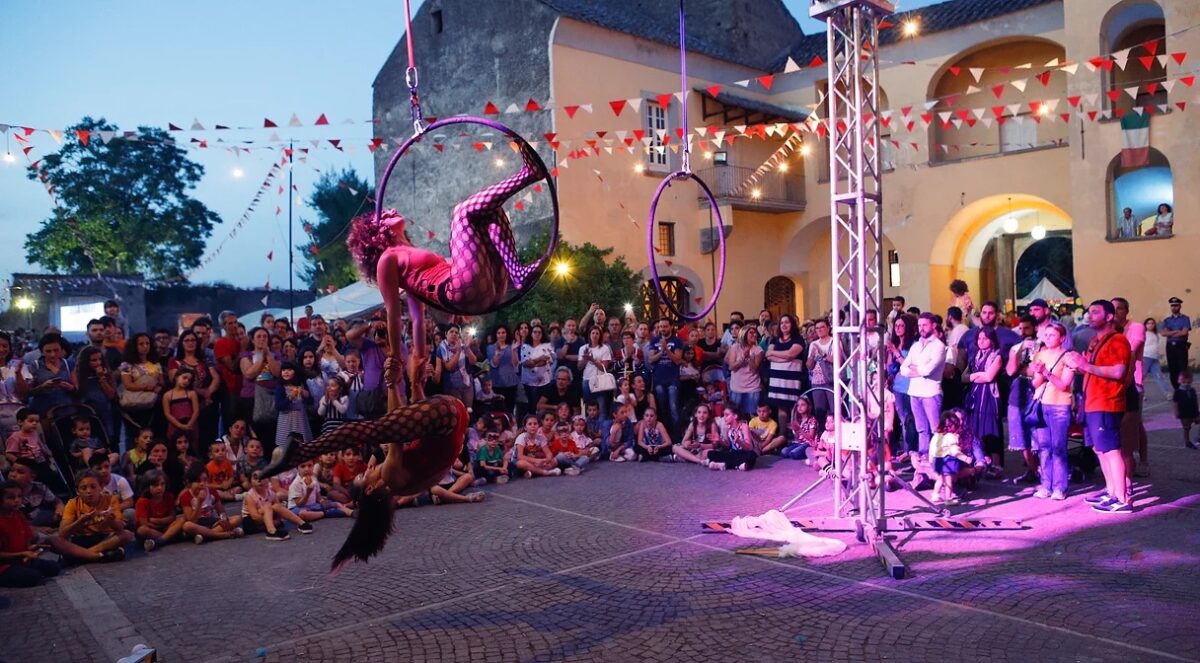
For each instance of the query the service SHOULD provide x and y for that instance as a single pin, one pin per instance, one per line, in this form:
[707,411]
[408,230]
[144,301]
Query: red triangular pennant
[1179,57]
[1181,104]
[767,80]
[664,100]
[571,111]
[1074,101]
[531,106]
[268,124]
[955,70]
[321,121]
[1151,88]
[430,234]
[1044,78]
[439,147]
[816,61]
[83,135]
[618,106]
[1151,46]
[1188,80]
[1113,95]
[172,127]
[998,90]
[490,109]
[1147,61]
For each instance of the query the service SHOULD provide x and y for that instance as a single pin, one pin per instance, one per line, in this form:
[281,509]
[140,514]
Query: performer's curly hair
[367,240]
[372,526]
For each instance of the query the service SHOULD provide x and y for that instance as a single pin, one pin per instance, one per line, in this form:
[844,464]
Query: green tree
[590,277]
[338,198]
[124,204]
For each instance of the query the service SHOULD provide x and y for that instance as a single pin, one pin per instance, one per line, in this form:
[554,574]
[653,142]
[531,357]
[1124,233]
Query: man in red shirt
[226,350]
[1104,366]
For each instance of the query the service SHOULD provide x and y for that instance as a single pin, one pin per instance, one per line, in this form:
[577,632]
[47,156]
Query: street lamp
[25,304]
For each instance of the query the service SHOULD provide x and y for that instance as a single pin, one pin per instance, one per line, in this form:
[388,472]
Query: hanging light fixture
[1010,222]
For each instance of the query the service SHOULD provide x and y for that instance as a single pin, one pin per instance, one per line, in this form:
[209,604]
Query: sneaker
[629,454]
[115,555]
[479,482]
[148,545]
[1192,445]
[1113,507]
[528,474]
[477,496]
[1142,470]
[703,462]
[238,532]
[619,459]
[742,468]
[1042,493]
[554,472]
[199,539]
[278,536]
[669,458]
[719,467]
[306,528]
[502,479]
[571,471]
[1098,498]
[1058,496]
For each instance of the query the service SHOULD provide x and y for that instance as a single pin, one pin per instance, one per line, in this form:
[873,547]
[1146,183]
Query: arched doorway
[985,241]
[779,296]
[1050,259]
[1138,29]
[1141,189]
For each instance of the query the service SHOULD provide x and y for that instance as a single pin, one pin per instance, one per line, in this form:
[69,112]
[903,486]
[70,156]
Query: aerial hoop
[544,261]
[684,174]
[712,202]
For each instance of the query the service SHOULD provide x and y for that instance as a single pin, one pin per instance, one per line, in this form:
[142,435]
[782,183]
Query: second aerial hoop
[712,202]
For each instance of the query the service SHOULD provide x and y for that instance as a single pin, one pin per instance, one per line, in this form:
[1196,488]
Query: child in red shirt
[19,546]
[158,519]
[566,451]
[220,473]
[345,472]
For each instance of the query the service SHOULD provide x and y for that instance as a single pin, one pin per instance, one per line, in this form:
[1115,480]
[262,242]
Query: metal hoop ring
[712,202]
[540,167]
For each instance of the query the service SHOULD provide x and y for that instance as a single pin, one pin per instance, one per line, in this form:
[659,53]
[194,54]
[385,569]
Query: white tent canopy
[1043,290]
[348,302]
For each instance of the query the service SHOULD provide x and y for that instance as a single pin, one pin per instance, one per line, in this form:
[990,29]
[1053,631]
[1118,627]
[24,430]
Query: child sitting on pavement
[20,546]
[221,473]
[304,497]
[764,430]
[530,454]
[203,514]
[491,463]
[158,519]
[92,520]
[115,485]
[566,452]
[262,510]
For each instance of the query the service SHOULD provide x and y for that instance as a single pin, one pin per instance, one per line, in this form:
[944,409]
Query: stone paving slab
[611,566]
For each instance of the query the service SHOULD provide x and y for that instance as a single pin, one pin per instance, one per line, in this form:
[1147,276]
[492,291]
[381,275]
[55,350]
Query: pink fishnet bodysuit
[482,248]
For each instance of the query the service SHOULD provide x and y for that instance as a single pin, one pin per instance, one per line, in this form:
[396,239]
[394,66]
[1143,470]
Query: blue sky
[140,62]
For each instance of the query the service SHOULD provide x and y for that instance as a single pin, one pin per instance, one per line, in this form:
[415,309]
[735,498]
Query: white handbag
[602,381]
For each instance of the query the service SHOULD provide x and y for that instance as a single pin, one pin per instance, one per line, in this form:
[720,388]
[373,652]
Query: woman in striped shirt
[787,375]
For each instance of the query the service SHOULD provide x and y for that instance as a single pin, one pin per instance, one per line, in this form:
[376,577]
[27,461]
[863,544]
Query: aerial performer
[421,439]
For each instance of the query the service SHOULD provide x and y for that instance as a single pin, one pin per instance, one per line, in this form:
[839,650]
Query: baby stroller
[59,432]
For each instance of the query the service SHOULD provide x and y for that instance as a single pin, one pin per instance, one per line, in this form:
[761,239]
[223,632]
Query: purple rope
[540,166]
[684,174]
[683,87]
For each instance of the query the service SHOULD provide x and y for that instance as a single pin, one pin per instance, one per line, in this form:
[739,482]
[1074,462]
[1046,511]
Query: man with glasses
[1175,328]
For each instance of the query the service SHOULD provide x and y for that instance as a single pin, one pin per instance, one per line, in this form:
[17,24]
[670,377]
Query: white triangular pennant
[976,73]
[106,136]
[196,126]
[1070,68]
[511,108]
[745,83]
[930,104]
[635,103]
[790,66]
[586,108]
[295,121]
[1027,65]
[1019,84]
[1132,91]
[1168,86]
[1052,63]
[971,89]
[1013,109]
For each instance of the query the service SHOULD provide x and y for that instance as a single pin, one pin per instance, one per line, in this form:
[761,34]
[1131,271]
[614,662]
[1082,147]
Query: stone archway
[779,296]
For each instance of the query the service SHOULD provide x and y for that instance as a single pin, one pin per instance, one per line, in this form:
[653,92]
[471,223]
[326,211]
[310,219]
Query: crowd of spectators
[157,438]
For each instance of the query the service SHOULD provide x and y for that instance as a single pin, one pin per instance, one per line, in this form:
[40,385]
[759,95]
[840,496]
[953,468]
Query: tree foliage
[338,198]
[591,278]
[125,202]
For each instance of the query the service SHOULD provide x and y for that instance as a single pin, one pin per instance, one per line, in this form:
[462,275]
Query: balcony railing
[774,190]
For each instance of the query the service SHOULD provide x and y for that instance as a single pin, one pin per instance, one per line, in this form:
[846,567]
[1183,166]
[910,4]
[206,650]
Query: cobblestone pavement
[611,566]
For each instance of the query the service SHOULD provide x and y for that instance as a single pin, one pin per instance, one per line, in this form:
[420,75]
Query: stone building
[1001,145]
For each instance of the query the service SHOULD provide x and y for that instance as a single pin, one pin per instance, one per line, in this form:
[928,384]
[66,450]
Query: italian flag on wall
[1135,140]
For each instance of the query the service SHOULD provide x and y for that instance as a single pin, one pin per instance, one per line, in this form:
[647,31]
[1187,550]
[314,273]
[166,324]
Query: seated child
[92,520]
[84,444]
[304,497]
[20,546]
[948,458]
[475,434]
[253,459]
[491,463]
[39,504]
[158,519]
[345,471]
[763,429]
[183,452]
[530,453]
[204,516]
[714,395]
[563,414]
[262,508]
[115,485]
[26,442]
[622,435]
[803,427]
[450,490]
[137,454]
[566,452]
[220,473]
[597,428]
[588,446]
[486,398]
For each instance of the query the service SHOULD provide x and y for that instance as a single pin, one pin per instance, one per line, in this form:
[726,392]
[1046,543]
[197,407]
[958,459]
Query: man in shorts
[1133,428]
[1104,366]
